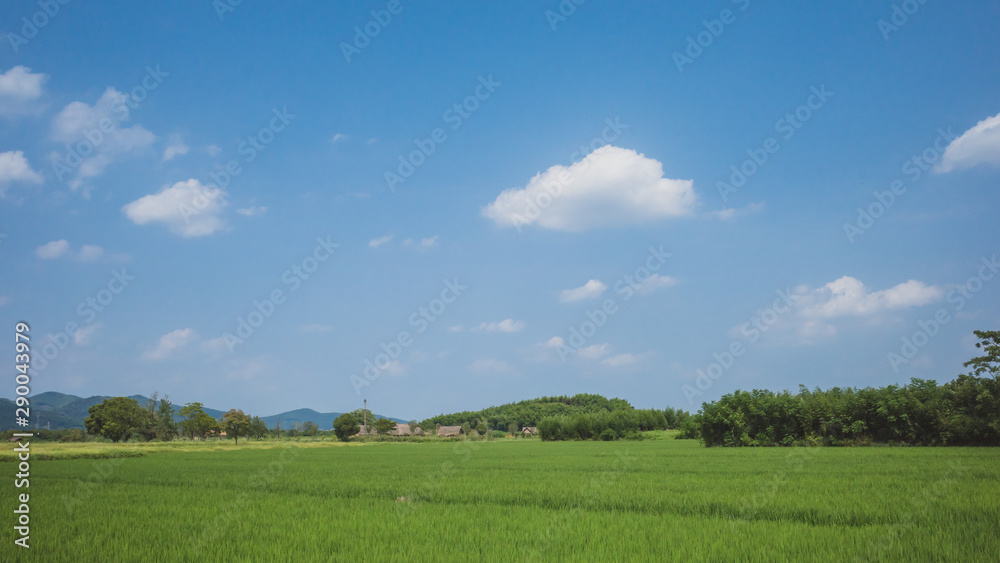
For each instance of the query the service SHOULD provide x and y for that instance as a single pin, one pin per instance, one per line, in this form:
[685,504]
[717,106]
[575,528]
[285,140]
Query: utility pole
[365,413]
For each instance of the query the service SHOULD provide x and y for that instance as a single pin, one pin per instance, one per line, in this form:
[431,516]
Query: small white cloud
[732,213]
[252,211]
[90,253]
[610,187]
[169,343]
[15,168]
[620,360]
[979,145]
[315,328]
[593,352]
[456,328]
[377,242]
[84,335]
[175,149]
[507,325]
[213,150]
[423,243]
[490,366]
[655,282]
[338,137]
[19,91]
[589,290]
[187,208]
[52,250]
[847,296]
[554,342]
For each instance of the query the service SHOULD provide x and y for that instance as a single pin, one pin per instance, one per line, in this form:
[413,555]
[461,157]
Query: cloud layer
[611,186]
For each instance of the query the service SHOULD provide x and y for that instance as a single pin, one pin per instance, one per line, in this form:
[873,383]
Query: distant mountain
[59,411]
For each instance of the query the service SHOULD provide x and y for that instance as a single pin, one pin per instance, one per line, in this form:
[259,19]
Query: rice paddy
[522,500]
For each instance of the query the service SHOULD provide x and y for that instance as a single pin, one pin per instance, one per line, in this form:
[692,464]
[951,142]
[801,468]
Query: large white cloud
[847,296]
[188,208]
[979,145]
[15,168]
[611,186]
[94,137]
[19,90]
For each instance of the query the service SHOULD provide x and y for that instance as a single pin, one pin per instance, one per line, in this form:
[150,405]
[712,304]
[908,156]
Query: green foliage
[988,365]
[622,423]
[345,426]
[235,423]
[527,413]
[309,428]
[117,418]
[197,424]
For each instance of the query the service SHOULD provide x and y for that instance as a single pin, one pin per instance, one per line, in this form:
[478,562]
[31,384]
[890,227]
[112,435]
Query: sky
[441,207]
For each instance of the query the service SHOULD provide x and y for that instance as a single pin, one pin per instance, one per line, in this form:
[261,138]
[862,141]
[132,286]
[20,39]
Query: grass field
[508,500]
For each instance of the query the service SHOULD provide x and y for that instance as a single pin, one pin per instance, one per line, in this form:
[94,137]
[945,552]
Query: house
[402,430]
[449,431]
[529,431]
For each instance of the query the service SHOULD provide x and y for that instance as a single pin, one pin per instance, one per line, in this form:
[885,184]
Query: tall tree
[309,428]
[235,423]
[116,418]
[384,426]
[345,426]
[988,365]
[166,427]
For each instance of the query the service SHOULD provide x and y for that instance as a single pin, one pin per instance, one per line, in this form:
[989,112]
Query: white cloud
[169,343]
[315,328]
[90,253]
[84,335]
[423,243]
[99,128]
[377,242]
[52,250]
[15,168]
[620,360]
[554,342]
[213,150]
[178,207]
[589,290]
[979,145]
[456,328]
[490,366]
[507,325]
[175,149]
[611,186]
[847,296]
[593,352]
[19,90]
[338,137]
[732,213]
[252,211]
[655,282]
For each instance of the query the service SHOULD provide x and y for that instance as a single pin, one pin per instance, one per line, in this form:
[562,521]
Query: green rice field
[513,500]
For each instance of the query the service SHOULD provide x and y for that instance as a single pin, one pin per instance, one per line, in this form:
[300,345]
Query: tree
[277,429]
[345,426]
[512,429]
[197,422]
[989,341]
[384,426]
[166,427]
[235,423]
[258,428]
[116,418]
[310,428]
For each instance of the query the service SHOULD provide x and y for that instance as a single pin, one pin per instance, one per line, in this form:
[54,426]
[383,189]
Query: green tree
[166,427]
[116,418]
[384,426]
[196,421]
[345,426]
[258,428]
[988,365]
[235,423]
[309,428]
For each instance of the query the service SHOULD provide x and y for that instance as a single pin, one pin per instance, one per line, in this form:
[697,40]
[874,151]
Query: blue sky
[492,202]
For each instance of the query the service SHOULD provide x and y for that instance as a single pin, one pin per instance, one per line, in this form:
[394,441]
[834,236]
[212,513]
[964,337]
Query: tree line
[962,412]
[610,425]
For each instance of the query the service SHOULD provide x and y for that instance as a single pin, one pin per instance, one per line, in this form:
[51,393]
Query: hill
[60,411]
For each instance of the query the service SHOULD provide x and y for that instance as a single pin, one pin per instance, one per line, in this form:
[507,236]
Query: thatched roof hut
[402,430]
[448,431]
[530,430]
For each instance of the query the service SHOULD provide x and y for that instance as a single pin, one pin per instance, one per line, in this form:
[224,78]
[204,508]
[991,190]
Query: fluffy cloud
[187,208]
[591,352]
[978,145]
[94,136]
[506,325]
[847,296]
[175,149]
[589,290]
[15,168]
[620,360]
[52,250]
[169,343]
[655,282]
[252,211]
[732,213]
[377,242]
[19,90]
[611,186]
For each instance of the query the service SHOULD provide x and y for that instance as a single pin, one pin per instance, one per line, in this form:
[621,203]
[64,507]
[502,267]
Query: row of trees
[512,417]
[965,411]
[614,425]
[122,418]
